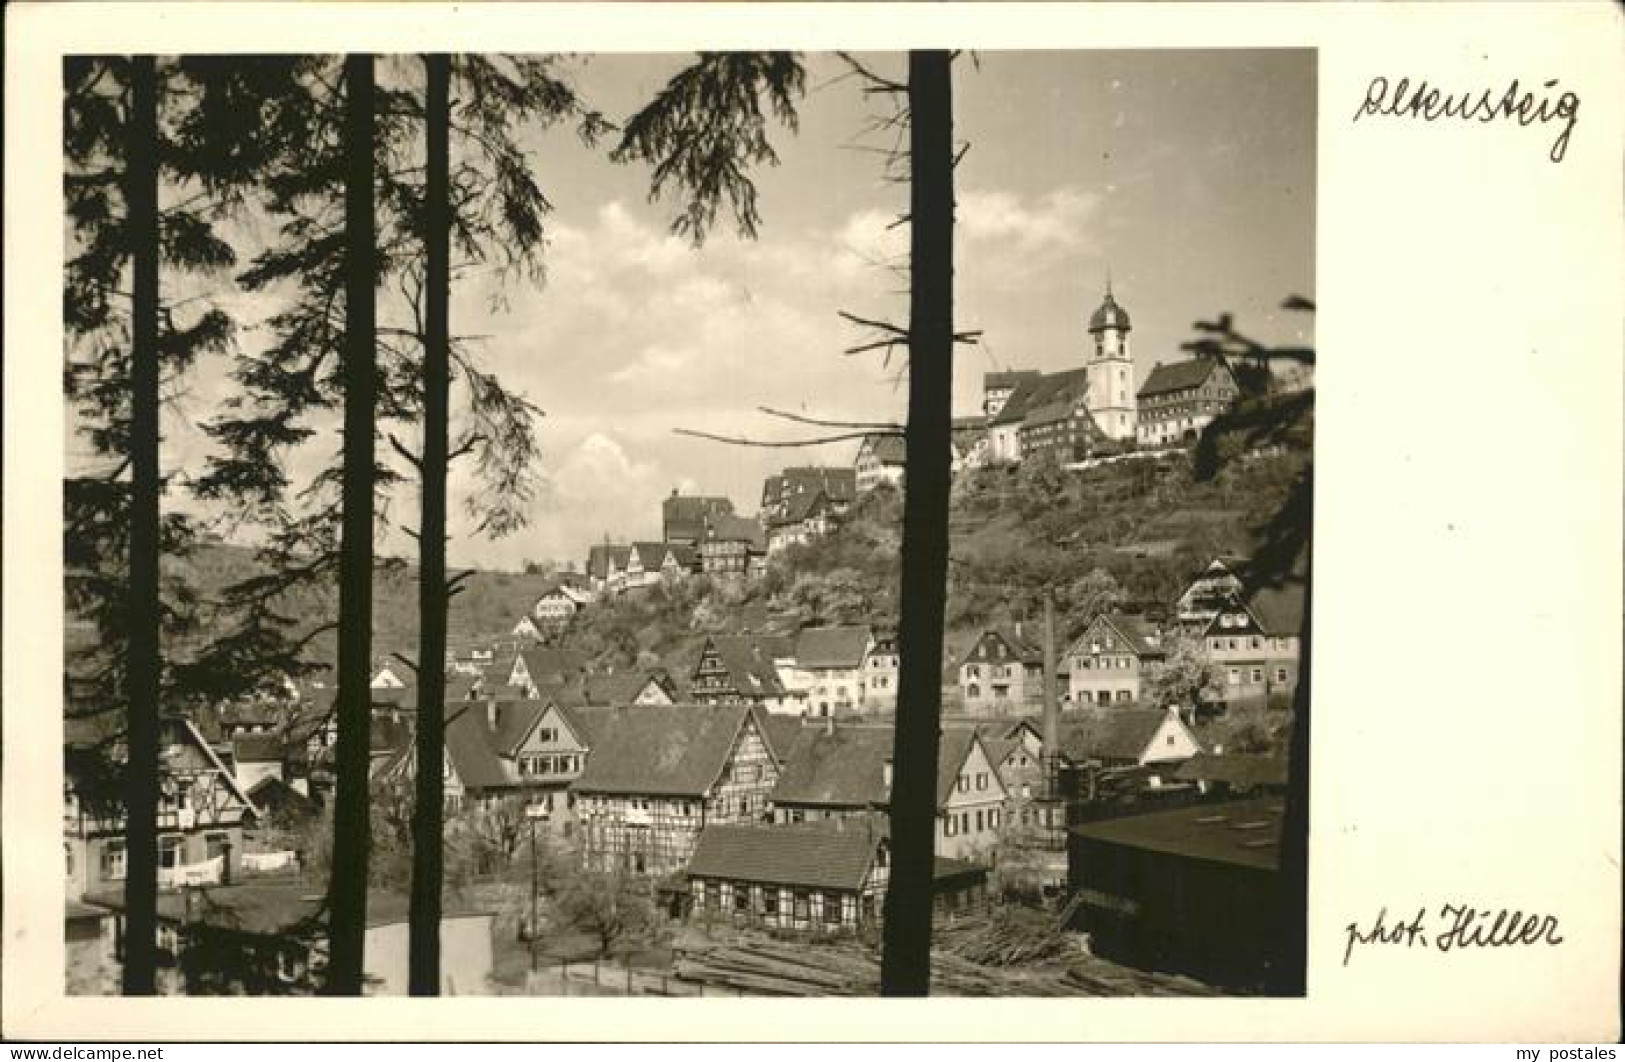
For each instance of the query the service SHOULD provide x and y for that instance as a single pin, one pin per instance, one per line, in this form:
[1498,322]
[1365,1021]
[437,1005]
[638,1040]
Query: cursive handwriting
[1401,100]
[1465,926]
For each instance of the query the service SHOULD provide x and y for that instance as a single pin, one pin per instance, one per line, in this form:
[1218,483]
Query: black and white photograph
[836,524]
[778,523]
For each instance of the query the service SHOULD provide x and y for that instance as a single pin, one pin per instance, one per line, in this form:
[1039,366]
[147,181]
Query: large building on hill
[1066,414]
[684,518]
[799,503]
[1178,400]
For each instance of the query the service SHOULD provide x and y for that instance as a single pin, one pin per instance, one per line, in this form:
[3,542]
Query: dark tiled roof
[469,742]
[887,449]
[1177,376]
[1109,733]
[1041,390]
[1024,651]
[782,733]
[667,751]
[1243,833]
[1279,610]
[543,662]
[799,507]
[259,748]
[839,484]
[1242,770]
[833,854]
[749,662]
[1008,378]
[832,647]
[1140,635]
[842,767]
[601,556]
[586,722]
[951,753]
[731,528]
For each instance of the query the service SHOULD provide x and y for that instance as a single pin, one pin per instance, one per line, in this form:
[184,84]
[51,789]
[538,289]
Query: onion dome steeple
[1110,315]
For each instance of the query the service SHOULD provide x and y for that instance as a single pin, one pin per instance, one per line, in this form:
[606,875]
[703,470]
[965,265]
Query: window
[993,818]
[1125,695]
[170,850]
[832,908]
[1280,674]
[1235,676]
[741,897]
[803,905]
[713,896]
[950,826]
[770,901]
[964,783]
[978,821]
[1258,675]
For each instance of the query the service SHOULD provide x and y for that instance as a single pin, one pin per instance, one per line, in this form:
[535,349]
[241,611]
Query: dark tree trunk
[906,956]
[1290,977]
[428,812]
[142,666]
[348,888]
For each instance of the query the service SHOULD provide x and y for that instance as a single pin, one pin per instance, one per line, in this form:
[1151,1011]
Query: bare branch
[820,423]
[782,443]
[883,326]
[403,659]
[400,448]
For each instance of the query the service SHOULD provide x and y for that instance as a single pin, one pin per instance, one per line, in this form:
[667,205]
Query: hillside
[1126,534]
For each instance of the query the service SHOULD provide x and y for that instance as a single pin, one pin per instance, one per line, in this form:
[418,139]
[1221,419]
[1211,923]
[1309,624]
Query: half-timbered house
[657,776]
[201,813]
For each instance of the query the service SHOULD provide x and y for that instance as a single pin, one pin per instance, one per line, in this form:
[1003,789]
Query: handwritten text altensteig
[1400,100]
[1462,926]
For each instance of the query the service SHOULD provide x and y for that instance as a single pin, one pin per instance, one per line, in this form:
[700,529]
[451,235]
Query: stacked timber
[766,967]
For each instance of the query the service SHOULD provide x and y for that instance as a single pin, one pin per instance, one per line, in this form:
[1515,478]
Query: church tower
[1110,370]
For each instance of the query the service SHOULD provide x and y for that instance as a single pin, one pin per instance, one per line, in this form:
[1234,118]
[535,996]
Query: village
[693,824]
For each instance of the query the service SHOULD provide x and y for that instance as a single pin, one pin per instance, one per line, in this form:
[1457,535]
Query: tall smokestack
[1052,708]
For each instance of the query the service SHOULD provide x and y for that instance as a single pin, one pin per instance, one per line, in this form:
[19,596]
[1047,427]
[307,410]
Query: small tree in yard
[612,907]
[1185,679]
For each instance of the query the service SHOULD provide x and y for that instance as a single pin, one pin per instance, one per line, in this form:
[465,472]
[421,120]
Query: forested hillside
[1126,534]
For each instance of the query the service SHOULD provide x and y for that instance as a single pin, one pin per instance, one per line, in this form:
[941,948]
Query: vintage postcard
[585,510]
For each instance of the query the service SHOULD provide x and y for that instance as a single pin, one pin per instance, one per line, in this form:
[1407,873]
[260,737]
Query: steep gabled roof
[844,766]
[543,663]
[951,755]
[1138,636]
[833,854]
[1037,391]
[602,556]
[1178,376]
[832,647]
[469,745]
[1007,378]
[887,449]
[800,507]
[1109,733]
[661,751]
[749,663]
[731,528]
[1022,650]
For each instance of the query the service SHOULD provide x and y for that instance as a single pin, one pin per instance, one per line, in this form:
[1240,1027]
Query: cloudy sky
[1188,175]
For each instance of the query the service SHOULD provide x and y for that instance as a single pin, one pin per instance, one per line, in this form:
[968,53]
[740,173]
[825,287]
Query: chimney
[1052,708]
